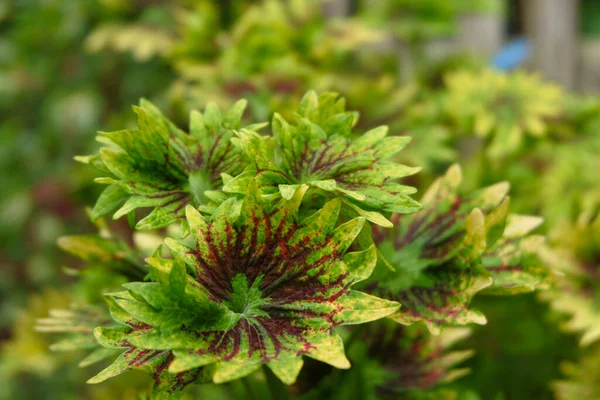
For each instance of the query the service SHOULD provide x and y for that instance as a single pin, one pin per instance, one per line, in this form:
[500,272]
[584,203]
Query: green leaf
[131,358]
[109,253]
[111,199]
[96,356]
[76,326]
[515,261]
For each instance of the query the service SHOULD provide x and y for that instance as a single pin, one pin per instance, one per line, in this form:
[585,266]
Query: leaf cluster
[274,232]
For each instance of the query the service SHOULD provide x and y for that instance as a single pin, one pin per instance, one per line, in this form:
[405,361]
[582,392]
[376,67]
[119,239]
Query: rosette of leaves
[257,285]
[160,166]
[504,109]
[434,261]
[320,150]
[578,294]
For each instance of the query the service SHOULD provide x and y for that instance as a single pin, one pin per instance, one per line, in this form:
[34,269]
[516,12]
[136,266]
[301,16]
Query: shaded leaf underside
[416,359]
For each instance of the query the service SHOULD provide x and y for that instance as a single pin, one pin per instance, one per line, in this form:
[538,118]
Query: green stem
[249,390]
[277,389]
[337,374]
[353,336]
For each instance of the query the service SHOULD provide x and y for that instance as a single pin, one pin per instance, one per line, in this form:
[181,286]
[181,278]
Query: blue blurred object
[512,55]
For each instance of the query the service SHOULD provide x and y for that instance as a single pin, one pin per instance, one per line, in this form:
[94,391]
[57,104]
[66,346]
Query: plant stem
[337,374]
[249,390]
[353,336]
[276,387]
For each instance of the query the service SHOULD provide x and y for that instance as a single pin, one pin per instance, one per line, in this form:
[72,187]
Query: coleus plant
[160,166]
[435,260]
[275,51]
[272,245]
[320,150]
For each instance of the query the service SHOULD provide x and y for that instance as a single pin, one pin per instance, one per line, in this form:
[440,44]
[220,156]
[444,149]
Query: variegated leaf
[515,261]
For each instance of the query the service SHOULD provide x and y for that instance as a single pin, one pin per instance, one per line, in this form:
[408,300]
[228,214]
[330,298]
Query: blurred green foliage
[69,68]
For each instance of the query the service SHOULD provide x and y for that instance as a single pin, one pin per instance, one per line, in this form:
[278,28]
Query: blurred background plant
[69,68]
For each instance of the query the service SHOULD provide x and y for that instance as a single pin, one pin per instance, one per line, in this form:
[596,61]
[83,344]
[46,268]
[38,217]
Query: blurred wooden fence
[559,51]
